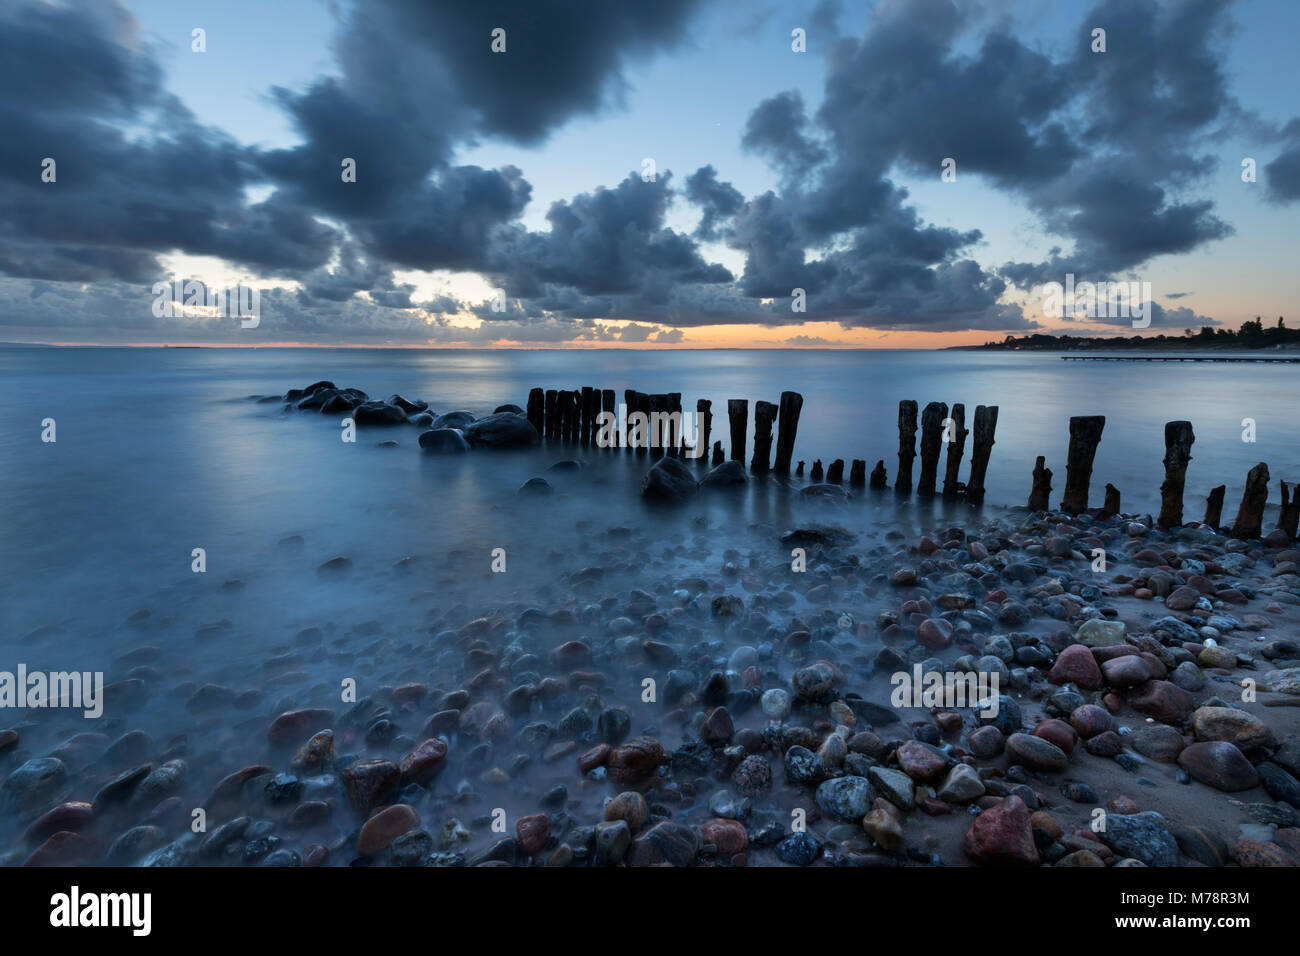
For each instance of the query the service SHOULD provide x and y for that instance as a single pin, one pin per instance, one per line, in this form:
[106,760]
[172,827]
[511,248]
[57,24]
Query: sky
[687,173]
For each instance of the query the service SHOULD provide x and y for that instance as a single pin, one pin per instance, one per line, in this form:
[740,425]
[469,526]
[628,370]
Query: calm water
[159,452]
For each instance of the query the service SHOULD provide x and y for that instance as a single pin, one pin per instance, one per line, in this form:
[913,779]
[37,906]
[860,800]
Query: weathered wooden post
[878,477]
[1111,504]
[1288,518]
[931,446]
[764,416]
[858,473]
[1085,434]
[738,413]
[658,421]
[835,473]
[537,409]
[608,405]
[906,445]
[1250,515]
[629,406]
[718,457]
[1040,495]
[1178,452]
[561,413]
[673,430]
[952,486]
[816,476]
[585,418]
[703,428]
[786,429]
[1214,506]
[643,405]
[552,413]
[986,425]
[593,416]
[575,415]
[798,472]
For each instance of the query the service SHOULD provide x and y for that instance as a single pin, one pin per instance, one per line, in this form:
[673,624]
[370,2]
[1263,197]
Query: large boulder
[725,475]
[447,441]
[824,491]
[343,400]
[454,420]
[378,413]
[407,405]
[506,430]
[669,480]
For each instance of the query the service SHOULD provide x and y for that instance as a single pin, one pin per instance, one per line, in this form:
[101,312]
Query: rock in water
[458,420]
[1219,764]
[1141,836]
[378,413]
[727,474]
[506,430]
[446,441]
[669,480]
[1002,836]
[845,798]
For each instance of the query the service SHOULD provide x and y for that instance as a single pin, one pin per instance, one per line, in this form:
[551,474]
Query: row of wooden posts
[573,415]
[1085,436]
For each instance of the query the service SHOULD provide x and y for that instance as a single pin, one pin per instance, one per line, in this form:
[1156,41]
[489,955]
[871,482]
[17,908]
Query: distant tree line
[1253,334]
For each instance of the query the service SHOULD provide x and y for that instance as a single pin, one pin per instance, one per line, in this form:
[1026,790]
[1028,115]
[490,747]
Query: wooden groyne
[570,415]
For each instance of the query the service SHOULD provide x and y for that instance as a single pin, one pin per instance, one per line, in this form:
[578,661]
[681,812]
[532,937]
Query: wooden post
[658,406]
[1040,495]
[1214,506]
[1250,515]
[703,428]
[738,413]
[817,476]
[585,418]
[835,473]
[537,409]
[718,457]
[1178,452]
[858,473]
[629,406]
[643,406]
[552,413]
[986,424]
[787,427]
[593,416]
[764,416]
[1288,518]
[607,407]
[1111,505]
[673,430]
[798,472]
[575,415]
[878,477]
[931,446]
[906,445]
[1085,434]
[952,486]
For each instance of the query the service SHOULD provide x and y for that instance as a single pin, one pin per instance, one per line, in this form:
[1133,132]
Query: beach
[397,656]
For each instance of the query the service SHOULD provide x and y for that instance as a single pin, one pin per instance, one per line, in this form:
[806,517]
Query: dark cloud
[561,59]
[718,201]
